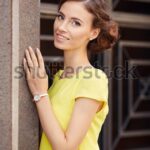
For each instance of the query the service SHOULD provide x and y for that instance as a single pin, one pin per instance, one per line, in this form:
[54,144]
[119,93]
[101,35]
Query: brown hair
[109,29]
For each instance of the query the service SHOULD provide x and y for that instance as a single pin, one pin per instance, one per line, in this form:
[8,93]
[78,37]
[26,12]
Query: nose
[63,26]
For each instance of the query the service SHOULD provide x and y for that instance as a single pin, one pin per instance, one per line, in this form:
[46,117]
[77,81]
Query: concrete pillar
[19,28]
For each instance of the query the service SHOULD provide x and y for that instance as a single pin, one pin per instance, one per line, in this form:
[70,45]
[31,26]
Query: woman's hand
[36,76]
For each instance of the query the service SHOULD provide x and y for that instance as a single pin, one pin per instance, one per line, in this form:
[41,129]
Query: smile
[61,37]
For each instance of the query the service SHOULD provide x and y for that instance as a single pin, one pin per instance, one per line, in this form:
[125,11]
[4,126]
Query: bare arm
[83,113]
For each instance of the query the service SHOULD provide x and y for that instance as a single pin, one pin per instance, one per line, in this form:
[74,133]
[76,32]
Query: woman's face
[73,26]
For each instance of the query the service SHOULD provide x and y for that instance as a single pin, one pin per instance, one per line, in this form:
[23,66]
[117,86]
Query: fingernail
[37,49]
[30,47]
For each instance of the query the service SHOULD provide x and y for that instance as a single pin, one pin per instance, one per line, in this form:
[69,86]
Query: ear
[94,33]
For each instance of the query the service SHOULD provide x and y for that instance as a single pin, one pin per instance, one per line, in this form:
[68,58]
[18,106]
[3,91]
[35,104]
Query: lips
[60,36]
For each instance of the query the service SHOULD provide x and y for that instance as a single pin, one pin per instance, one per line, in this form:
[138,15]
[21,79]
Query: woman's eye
[76,23]
[60,17]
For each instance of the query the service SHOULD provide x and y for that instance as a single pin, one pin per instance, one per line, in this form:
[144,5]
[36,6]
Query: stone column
[19,28]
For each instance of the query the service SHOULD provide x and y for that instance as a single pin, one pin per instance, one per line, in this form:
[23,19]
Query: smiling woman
[73,110]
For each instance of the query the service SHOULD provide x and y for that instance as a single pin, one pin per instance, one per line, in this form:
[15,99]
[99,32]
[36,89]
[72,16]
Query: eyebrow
[72,17]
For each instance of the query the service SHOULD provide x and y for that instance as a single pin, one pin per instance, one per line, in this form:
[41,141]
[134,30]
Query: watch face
[36,97]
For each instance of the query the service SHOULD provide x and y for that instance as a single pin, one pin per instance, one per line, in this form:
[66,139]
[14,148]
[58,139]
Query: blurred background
[30,22]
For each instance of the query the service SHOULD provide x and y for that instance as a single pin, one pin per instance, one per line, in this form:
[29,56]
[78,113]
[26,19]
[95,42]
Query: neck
[75,60]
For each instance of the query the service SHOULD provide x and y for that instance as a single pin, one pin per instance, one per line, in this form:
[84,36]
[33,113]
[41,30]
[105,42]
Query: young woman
[73,110]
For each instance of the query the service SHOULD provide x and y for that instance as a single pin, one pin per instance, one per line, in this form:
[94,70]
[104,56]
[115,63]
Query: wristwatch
[37,97]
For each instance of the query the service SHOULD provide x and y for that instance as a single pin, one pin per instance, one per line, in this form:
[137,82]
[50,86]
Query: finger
[29,61]
[26,68]
[33,57]
[40,59]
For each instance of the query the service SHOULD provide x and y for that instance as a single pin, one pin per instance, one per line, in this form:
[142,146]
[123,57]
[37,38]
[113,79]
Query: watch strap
[39,96]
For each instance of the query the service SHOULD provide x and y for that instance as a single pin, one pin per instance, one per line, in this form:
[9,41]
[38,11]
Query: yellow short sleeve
[95,87]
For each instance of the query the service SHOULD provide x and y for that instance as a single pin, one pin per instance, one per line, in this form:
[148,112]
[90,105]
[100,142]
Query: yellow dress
[90,83]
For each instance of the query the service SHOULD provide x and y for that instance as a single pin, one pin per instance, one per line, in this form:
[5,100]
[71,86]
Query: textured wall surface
[29,35]
[5,74]
[19,28]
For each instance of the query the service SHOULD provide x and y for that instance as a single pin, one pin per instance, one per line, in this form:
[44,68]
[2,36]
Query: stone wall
[19,28]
